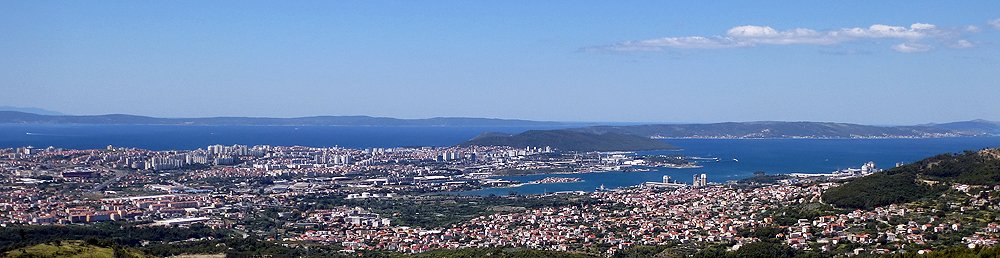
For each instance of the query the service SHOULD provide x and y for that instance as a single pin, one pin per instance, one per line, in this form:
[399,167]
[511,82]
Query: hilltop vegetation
[74,249]
[568,140]
[922,179]
[151,241]
[17,236]
[879,190]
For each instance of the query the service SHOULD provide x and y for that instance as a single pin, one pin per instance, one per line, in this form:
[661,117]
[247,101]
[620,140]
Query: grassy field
[72,249]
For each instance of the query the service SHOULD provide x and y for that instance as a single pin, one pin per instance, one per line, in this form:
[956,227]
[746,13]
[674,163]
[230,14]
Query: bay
[187,137]
[740,158]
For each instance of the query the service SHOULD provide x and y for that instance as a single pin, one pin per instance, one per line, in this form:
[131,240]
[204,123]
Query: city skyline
[686,62]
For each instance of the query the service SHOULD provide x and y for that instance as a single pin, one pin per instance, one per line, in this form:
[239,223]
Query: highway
[119,173]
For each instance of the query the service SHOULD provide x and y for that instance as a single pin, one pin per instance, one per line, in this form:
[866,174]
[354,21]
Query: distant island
[808,130]
[17,117]
[569,140]
[31,110]
[727,130]
[646,137]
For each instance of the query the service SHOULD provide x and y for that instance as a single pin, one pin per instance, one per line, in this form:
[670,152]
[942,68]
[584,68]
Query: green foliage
[764,233]
[954,252]
[644,252]
[74,249]
[879,189]
[104,234]
[763,249]
[966,168]
[903,184]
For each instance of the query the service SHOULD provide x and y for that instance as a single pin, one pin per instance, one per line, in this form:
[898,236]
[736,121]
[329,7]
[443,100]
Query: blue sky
[892,62]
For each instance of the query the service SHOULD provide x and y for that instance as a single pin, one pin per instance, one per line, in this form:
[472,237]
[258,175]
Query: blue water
[769,155]
[166,137]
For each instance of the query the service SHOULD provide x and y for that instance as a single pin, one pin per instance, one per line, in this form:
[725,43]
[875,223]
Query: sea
[189,137]
[740,158]
[737,158]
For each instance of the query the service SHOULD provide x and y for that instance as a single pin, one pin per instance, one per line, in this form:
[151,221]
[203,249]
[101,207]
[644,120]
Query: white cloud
[962,44]
[915,31]
[684,42]
[753,35]
[911,48]
[995,23]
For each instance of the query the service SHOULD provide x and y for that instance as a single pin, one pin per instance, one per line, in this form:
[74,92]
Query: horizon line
[489,118]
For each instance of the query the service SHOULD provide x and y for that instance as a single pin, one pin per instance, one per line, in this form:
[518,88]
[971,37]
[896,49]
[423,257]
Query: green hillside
[73,249]
[922,179]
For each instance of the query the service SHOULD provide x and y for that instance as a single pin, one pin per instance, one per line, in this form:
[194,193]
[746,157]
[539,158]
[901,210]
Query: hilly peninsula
[923,179]
[569,140]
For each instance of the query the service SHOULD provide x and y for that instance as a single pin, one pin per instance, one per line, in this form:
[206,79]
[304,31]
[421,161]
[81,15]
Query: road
[119,173]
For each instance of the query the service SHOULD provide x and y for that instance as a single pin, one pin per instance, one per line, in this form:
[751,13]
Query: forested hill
[922,179]
[570,141]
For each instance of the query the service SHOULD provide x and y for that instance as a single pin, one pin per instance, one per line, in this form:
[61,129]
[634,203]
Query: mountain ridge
[723,130]
[778,129]
[14,117]
[32,110]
